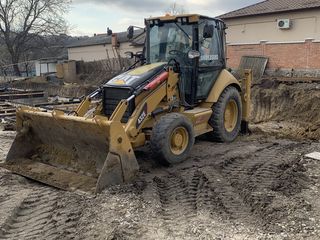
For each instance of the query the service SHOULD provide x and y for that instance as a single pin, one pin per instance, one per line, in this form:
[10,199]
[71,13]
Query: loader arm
[144,109]
[164,90]
[83,107]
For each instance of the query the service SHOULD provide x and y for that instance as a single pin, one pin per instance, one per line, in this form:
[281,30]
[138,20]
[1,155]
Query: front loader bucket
[69,152]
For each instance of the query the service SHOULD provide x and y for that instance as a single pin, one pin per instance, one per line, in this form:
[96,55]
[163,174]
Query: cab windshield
[168,40]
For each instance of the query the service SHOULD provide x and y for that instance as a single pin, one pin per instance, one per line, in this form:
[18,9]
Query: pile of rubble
[11,98]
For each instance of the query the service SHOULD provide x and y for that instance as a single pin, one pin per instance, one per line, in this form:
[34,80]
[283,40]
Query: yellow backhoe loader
[180,90]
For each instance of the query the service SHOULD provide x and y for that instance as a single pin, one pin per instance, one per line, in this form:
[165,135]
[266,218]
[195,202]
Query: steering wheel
[176,52]
[180,56]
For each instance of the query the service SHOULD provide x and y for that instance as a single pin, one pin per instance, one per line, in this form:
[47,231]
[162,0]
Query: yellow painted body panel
[246,94]
[199,117]
[145,68]
[224,80]
[168,17]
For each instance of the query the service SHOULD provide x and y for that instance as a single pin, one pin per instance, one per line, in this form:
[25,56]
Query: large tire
[226,116]
[172,138]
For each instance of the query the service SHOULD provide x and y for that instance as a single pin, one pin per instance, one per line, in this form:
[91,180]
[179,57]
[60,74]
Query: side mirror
[130,31]
[193,54]
[129,55]
[208,31]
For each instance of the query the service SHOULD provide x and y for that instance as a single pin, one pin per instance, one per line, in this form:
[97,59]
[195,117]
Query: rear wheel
[226,116]
[172,138]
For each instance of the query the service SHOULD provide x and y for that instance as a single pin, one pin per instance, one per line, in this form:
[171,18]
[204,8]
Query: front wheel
[172,138]
[226,116]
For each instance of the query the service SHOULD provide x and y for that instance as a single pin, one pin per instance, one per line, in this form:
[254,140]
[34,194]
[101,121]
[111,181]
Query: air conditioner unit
[284,23]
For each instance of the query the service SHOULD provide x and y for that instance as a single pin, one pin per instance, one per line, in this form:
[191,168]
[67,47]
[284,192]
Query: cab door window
[211,49]
[211,60]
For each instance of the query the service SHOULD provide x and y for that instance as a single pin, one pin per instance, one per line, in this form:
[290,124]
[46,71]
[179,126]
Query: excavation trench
[286,109]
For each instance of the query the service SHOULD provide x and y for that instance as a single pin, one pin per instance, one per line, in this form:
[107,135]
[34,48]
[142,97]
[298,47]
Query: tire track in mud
[261,180]
[44,213]
[202,187]
[32,217]
[173,194]
[224,198]
[207,191]
[245,187]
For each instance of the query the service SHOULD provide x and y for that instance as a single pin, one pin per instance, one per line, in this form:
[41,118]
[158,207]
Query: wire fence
[9,72]
[88,73]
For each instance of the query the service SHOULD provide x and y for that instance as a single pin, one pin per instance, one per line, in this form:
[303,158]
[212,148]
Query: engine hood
[136,77]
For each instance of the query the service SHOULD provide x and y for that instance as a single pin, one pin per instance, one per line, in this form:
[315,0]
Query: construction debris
[314,155]
[10,94]
[7,110]
[11,98]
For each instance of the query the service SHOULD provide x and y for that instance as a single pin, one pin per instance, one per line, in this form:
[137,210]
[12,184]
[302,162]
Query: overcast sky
[94,16]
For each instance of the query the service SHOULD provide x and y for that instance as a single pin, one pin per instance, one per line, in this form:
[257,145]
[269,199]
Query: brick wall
[295,55]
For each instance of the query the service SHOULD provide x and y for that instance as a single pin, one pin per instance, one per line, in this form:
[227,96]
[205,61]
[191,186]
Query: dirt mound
[291,109]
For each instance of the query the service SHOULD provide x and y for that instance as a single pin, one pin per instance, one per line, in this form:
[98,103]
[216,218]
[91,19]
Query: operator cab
[181,38]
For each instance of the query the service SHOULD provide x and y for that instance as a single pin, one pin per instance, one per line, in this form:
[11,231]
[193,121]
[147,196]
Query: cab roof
[191,17]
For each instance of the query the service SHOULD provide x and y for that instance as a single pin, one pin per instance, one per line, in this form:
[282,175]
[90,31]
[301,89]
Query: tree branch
[24,21]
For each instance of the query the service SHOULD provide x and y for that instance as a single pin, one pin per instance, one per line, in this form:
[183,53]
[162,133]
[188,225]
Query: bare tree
[23,22]
[176,9]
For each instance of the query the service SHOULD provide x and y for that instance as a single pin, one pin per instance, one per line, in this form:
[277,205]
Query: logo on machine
[119,82]
[142,115]
[123,79]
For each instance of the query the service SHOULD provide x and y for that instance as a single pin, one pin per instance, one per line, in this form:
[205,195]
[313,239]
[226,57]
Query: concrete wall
[305,25]
[99,52]
[297,48]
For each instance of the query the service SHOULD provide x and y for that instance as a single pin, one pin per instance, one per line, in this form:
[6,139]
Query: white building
[103,46]
[45,66]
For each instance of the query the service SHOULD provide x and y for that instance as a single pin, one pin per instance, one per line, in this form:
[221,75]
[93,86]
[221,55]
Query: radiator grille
[111,98]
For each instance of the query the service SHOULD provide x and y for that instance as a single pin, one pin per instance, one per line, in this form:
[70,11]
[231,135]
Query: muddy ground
[259,187]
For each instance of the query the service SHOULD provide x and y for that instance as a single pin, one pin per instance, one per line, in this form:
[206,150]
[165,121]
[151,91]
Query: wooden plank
[56,104]
[9,96]
[5,105]
[7,115]
[9,110]
[17,90]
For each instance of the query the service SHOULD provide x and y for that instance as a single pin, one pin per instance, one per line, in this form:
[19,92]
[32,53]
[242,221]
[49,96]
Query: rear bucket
[71,153]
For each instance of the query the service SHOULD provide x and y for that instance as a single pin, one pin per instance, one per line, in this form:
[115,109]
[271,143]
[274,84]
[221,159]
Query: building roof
[139,39]
[101,39]
[272,6]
